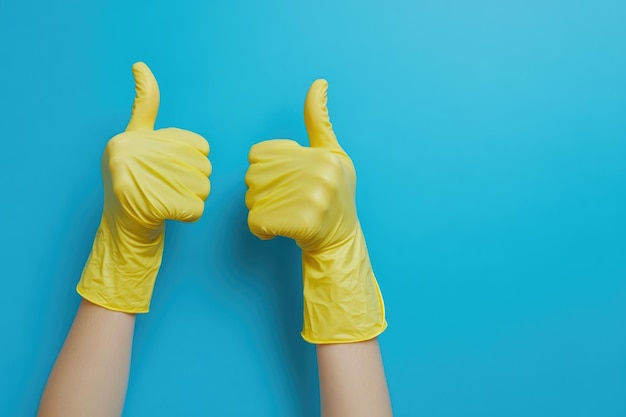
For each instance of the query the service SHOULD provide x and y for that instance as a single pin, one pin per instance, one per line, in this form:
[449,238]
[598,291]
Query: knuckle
[249,200]
[206,148]
[121,187]
[255,223]
[253,219]
[116,144]
[197,214]
[207,190]
[204,166]
[320,198]
[311,219]
[200,143]
[253,153]
[194,210]
[336,165]
[249,178]
[328,182]
[331,171]
[116,162]
[204,189]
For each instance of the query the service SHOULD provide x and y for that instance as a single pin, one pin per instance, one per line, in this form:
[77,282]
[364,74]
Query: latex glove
[149,176]
[308,194]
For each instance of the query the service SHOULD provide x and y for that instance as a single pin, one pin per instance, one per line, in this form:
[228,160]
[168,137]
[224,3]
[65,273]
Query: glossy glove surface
[308,194]
[149,176]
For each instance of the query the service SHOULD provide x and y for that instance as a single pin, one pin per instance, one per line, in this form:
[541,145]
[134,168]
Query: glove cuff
[342,299]
[120,272]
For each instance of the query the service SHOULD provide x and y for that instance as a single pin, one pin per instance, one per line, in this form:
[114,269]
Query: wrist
[121,270]
[342,300]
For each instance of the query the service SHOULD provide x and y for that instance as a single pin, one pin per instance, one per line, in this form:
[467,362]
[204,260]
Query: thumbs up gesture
[149,176]
[308,194]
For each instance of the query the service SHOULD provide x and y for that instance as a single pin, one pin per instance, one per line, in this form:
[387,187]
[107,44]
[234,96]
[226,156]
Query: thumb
[316,118]
[147,97]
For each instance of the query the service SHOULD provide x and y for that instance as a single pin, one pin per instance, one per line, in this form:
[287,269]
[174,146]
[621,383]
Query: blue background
[490,143]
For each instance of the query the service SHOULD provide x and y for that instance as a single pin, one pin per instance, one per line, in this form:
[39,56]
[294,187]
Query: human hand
[149,176]
[308,194]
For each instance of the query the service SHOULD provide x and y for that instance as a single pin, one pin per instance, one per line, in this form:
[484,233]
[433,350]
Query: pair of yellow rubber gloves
[304,193]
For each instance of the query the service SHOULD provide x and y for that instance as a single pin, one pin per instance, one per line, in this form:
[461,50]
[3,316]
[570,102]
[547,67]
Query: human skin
[90,375]
[352,380]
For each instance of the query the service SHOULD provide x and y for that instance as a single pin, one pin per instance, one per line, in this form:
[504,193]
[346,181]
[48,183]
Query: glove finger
[201,163]
[185,136]
[188,210]
[284,213]
[277,178]
[270,149]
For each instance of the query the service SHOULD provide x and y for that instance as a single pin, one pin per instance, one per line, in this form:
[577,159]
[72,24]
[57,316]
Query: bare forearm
[90,375]
[352,380]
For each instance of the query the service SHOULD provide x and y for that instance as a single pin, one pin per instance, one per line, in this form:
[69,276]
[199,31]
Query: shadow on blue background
[275,266]
[489,139]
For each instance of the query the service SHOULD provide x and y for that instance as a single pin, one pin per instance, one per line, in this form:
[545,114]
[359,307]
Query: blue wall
[490,144]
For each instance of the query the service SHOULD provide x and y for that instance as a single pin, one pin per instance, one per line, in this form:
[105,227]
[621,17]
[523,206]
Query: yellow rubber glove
[149,176]
[308,194]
